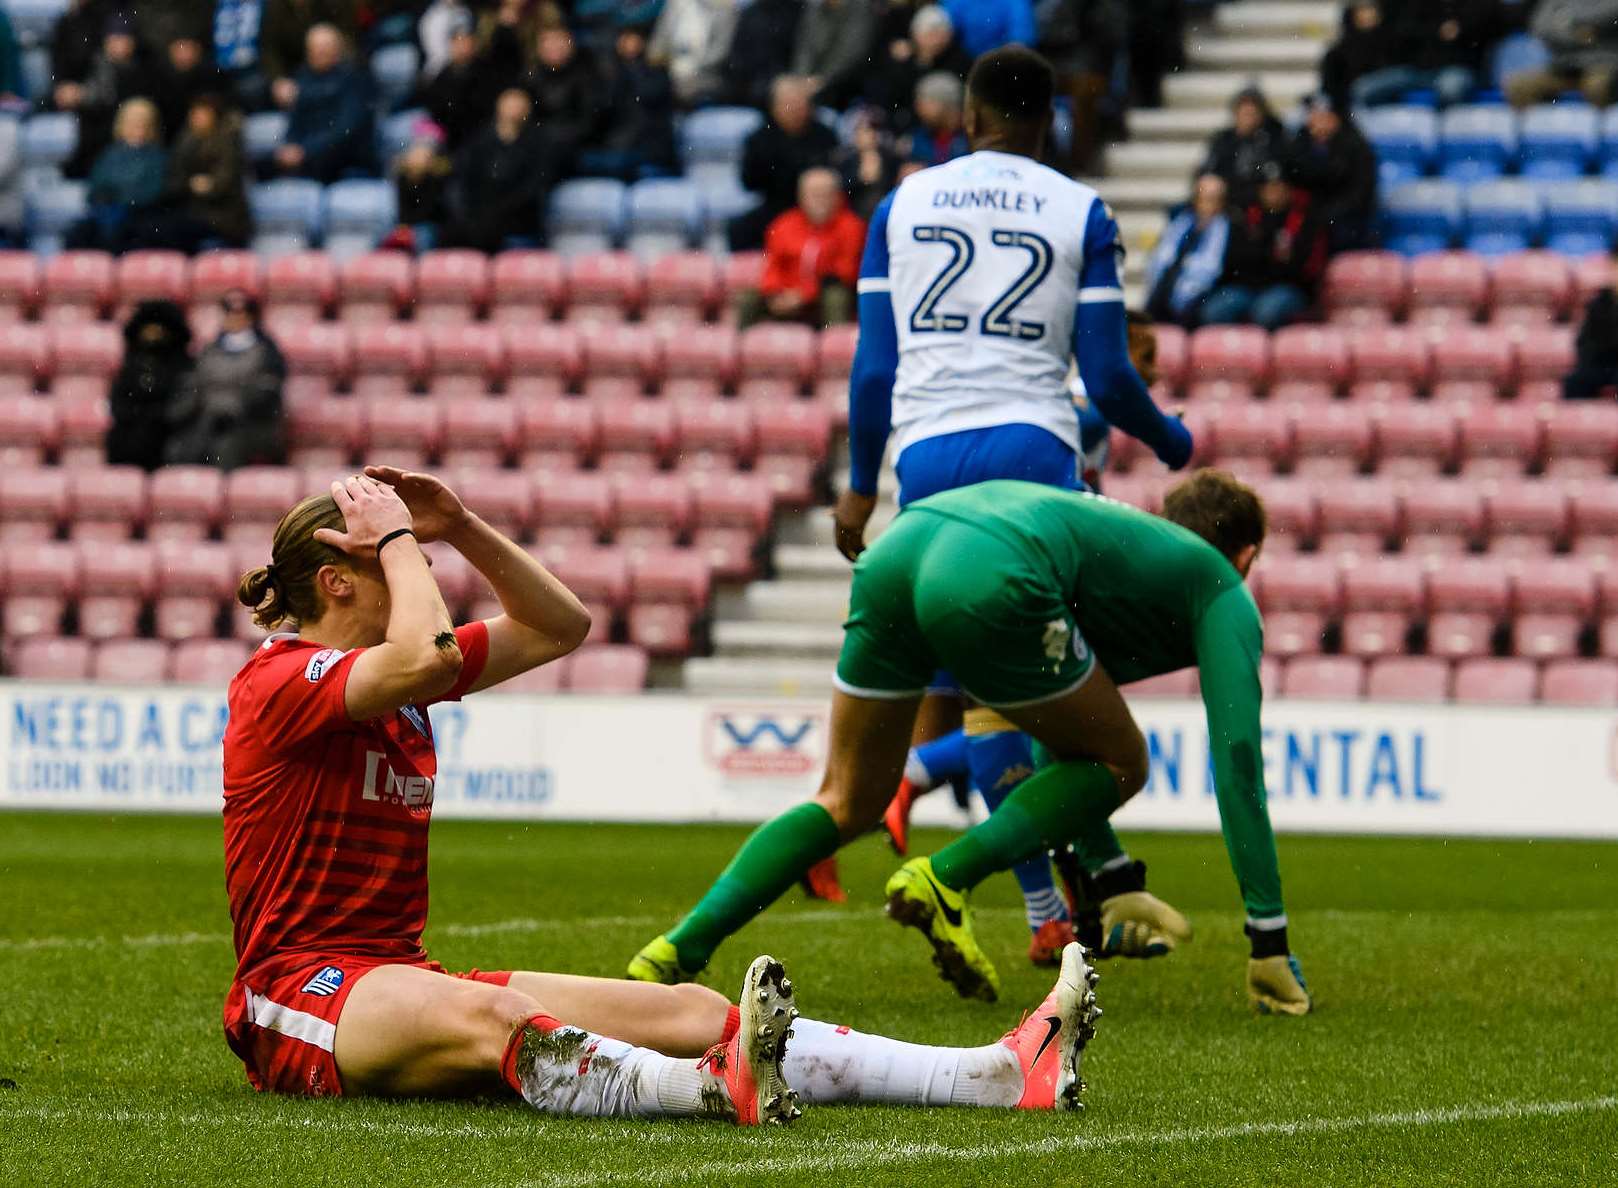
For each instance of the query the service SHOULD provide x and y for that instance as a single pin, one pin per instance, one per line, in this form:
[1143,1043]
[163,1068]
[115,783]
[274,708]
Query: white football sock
[916,772]
[571,1071]
[1043,906]
[827,1063]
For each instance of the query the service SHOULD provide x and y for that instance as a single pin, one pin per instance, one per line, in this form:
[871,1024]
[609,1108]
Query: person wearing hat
[1276,259]
[929,47]
[229,414]
[1331,159]
[939,134]
[1254,137]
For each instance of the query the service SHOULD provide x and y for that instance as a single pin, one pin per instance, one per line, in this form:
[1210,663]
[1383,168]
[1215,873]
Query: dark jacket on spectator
[1356,52]
[772,162]
[332,121]
[640,114]
[460,98]
[891,81]
[76,40]
[218,157]
[835,42]
[143,392]
[1082,36]
[1417,24]
[173,91]
[128,175]
[1595,368]
[866,193]
[497,188]
[229,414]
[169,20]
[287,22]
[1237,158]
[1284,247]
[1340,174]
[761,49]
[106,87]
[569,103]
[424,198]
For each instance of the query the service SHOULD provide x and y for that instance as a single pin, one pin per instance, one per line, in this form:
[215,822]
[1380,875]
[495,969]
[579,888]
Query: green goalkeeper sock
[774,857]
[1064,802]
[1095,841]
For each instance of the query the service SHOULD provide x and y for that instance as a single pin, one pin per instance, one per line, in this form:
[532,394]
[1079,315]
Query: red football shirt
[326,818]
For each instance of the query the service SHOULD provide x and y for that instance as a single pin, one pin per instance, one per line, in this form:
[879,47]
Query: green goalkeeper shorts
[935,592]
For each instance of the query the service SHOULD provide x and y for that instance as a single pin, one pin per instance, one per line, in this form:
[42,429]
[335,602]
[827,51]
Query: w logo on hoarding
[765,743]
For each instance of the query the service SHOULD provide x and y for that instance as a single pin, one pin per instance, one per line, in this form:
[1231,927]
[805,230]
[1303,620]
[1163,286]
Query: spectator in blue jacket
[1189,259]
[330,125]
[938,134]
[983,25]
[126,181]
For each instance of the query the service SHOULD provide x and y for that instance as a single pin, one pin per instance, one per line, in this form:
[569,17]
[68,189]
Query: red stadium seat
[78,287]
[742,271]
[604,286]
[700,360]
[33,503]
[186,502]
[213,274]
[795,428]
[1468,598]
[83,421]
[130,662]
[653,509]
[325,431]
[1537,281]
[92,351]
[1317,354]
[600,579]
[608,668]
[106,503]
[837,344]
[1580,682]
[1293,513]
[152,276]
[1526,518]
[1408,678]
[116,579]
[791,477]
[1460,634]
[1382,599]
[1594,508]
[542,360]
[390,357]
[1333,441]
[1499,441]
[777,352]
[638,434]
[505,498]
[1253,437]
[1182,683]
[677,576]
[633,353]
[1300,595]
[28,430]
[256,497]
[321,350]
[574,508]
[305,282]
[1477,354]
[40,580]
[376,286]
[682,287]
[1441,517]
[1240,354]
[404,432]
[1340,677]
[555,427]
[1172,352]
[1491,681]
[1591,274]
[208,661]
[1581,438]
[25,357]
[50,659]
[206,574]
[713,434]
[1366,287]
[20,282]
[478,433]
[731,513]
[1554,598]
[465,359]
[1414,440]
[526,287]
[1357,515]
[1390,353]
[1447,287]
[451,286]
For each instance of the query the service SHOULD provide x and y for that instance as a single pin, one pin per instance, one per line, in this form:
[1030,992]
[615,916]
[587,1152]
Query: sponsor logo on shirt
[324,983]
[321,662]
[416,718]
[382,783]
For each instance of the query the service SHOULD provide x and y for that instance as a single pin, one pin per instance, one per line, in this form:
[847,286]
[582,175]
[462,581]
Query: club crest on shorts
[325,983]
[1055,643]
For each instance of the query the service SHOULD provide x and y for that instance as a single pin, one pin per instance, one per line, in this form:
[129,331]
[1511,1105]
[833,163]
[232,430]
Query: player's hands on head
[850,516]
[436,510]
[371,510]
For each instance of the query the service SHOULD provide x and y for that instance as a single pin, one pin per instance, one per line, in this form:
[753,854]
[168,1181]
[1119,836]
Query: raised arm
[542,621]
[870,388]
[1101,346]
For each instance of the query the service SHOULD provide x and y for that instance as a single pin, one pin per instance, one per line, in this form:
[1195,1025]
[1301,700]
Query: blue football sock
[999,763]
[933,763]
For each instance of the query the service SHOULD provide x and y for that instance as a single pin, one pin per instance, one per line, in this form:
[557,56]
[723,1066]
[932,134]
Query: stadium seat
[682,287]
[394,355]
[375,286]
[256,497]
[40,581]
[262,133]
[654,510]
[1441,517]
[717,134]
[1526,518]
[106,503]
[1405,139]
[50,210]
[1580,682]
[1499,440]
[394,69]
[1414,440]
[776,352]
[301,283]
[1447,287]
[1396,353]
[152,276]
[505,498]
[286,215]
[742,271]
[452,286]
[587,215]
[19,285]
[1382,599]
[665,215]
[554,428]
[1310,354]
[1341,677]
[28,430]
[545,680]
[1473,358]
[636,435]
[50,659]
[1171,355]
[1492,681]
[1363,287]
[1468,598]
[604,286]
[1236,353]
[130,662]
[731,515]
[1292,513]
[713,434]
[325,430]
[1333,441]
[1531,286]
[1594,509]
[700,360]
[78,287]
[49,139]
[464,358]
[212,662]
[404,432]
[600,578]
[83,419]
[542,359]
[1253,435]
[1581,216]
[1581,438]
[213,274]
[622,352]
[1357,516]
[526,286]
[1553,599]
[1300,595]
[723,201]
[1476,141]
[116,579]
[25,357]
[1559,140]
[1408,678]
[1502,216]
[608,668]
[33,503]
[1421,216]
[1544,355]
[573,508]
[356,214]
[186,502]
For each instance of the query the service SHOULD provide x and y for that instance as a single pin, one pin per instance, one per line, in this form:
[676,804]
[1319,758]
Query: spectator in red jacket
[811,258]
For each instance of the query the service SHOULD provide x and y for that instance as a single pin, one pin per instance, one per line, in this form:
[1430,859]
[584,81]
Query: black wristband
[392,536]
[1267,942]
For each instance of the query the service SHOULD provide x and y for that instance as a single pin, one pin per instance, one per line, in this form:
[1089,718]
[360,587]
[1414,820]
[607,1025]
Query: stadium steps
[1314,19]
[1251,53]
[1155,158]
[1175,123]
[1201,88]
[768,676]
[742,637]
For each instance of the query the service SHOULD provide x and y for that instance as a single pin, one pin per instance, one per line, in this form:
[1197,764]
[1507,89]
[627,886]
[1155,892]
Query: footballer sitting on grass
[1038,600]
[329,764]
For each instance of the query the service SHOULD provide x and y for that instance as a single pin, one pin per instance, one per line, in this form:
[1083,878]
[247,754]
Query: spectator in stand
[930,47]
[1191,257]
[811,259]
[283,41]
[157,365]
[1595,368]
[776,155]
[1237,153]
[116,74]
[983,25]
[836,39]
[690,40]
[205,200]
[13,90]
[1437,45]
[435,32]
[638,138]
[761,51]
[569,89]
[1331,159]
[11,183]
[869,166]
[160,25]
[460,97]
[236,28]
[228,414]
[1275,261]
[422,185]
[75,44]
[938,134]
[330,127]
[1082,39]
[184,74]
[126,182]
[1364,45]
[1156,47]
[1582,36]
[507,34]
[499,179]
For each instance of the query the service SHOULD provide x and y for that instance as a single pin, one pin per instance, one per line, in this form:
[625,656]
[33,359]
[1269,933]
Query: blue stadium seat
[720,204]
[35,20]
[717,133]
[1421,216]
[286,214]
[394,69]
[397,133]
[1609,142]
[665,215]
[357,214]
[1516,53]
[587,215]
[1560,139]
[1476,142]
[1502,216]
[52,208]
[49,138]
[262,133]
[1405,139]
[1581,216]
[36,72]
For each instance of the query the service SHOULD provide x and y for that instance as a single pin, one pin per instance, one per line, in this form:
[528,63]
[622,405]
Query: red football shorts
[285,1029]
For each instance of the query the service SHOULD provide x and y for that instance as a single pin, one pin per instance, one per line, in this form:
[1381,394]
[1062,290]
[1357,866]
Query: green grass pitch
[1467,1030]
